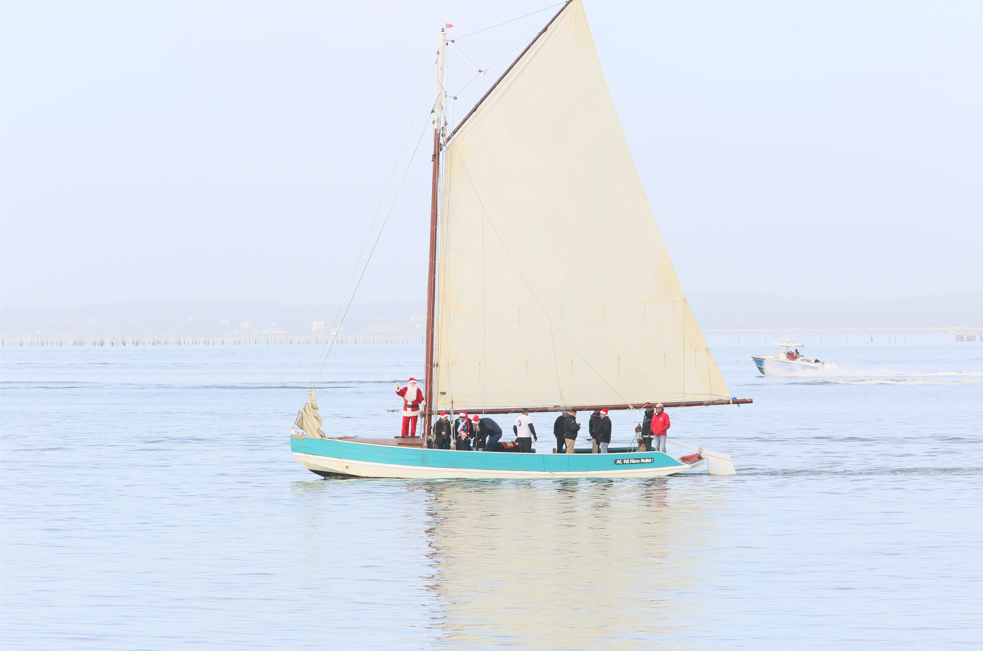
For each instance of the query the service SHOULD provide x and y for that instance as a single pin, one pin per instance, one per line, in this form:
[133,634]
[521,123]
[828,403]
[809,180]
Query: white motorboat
[789,361]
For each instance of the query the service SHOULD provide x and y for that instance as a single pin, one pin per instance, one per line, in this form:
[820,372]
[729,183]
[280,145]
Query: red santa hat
[443,413]
[604,411]
[463,415]
[412,379]
[476,419]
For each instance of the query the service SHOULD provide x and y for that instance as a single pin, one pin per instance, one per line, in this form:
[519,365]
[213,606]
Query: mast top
[438,108]
[504,74]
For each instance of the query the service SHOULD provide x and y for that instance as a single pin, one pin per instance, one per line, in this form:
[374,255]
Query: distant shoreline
[714,311]
[416,333]
[141,339]
[205,339]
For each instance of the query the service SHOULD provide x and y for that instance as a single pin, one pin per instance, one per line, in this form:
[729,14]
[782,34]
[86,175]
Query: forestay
[555,286]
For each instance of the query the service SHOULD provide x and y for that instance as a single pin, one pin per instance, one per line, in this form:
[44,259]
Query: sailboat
[549,285]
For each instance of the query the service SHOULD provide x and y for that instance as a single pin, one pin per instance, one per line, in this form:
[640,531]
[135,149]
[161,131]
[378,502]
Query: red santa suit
[412,399]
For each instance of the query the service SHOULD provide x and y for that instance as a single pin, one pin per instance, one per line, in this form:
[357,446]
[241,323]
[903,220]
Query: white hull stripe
[333,465]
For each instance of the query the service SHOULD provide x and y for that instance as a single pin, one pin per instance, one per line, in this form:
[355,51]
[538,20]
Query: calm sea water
[150,501]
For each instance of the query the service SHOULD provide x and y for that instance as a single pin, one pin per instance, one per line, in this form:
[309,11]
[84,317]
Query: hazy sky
[831,150]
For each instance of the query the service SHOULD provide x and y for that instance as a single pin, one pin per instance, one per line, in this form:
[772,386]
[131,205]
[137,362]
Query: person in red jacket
[412,399]
[660,428]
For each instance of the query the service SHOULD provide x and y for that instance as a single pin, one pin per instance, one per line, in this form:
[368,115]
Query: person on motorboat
[524,431]
[559,426]
[442,432]
[660,428]
[602,433]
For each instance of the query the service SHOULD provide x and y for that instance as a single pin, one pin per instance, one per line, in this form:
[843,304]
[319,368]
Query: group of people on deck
[652,431]
[484,434]
[476,433]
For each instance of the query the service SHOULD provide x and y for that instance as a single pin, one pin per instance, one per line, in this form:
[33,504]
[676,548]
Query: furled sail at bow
[309,420]
[555,287]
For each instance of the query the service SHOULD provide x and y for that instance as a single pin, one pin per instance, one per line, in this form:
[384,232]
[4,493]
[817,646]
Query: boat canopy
[789,344]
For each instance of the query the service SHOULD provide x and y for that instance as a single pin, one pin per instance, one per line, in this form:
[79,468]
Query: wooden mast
[438,141]
[428,379]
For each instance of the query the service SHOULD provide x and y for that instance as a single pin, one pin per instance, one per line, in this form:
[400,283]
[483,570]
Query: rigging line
[369,259]
[399,156]
[375,217]
[477,95]
[457,38]
[484,314]
[706,358]
[484,72]
[467,57]
[467,84]
[523,276]
[556,369]
[511,52]
[439,324]
[402,148]
[334,322]
[444,324]
[443,82]
[450,136]
[372,251]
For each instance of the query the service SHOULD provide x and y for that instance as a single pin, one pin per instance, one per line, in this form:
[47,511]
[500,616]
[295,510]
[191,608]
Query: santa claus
[412,399]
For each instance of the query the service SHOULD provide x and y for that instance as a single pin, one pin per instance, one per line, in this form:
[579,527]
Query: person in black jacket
[488,432]
[442,432]
[477,437]
[570,429]
[592,430]
[462,433]
[559,425]
[645,431]
[603,433]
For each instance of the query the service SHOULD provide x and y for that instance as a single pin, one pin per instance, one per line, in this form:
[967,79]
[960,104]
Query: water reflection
[570,564]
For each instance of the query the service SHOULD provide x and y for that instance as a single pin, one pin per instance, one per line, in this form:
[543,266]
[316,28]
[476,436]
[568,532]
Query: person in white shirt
[524,431]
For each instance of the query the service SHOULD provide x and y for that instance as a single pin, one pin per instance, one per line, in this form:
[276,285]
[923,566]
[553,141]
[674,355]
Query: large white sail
[555,287]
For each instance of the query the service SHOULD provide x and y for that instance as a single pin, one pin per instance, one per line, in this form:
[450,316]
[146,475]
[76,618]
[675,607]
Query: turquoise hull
[330,457]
